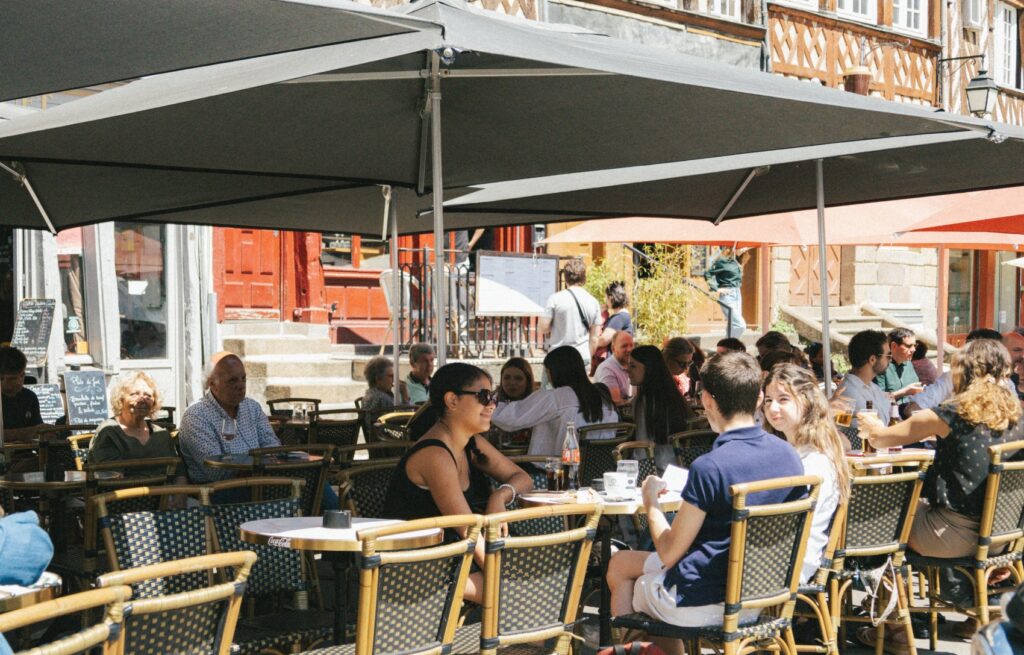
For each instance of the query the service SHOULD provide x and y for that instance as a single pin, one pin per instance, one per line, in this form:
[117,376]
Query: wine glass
[228,429]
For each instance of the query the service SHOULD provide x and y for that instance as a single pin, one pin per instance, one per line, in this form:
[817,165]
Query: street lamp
[981,94]
[981,90]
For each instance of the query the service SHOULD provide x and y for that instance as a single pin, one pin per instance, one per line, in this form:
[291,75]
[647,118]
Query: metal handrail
[726,308]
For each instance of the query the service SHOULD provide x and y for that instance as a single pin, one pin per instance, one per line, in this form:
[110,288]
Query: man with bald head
[224,421]
[612,371]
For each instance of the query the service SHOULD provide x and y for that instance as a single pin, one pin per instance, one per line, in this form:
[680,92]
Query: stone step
[296,366]
[281,344]
[271,328]
[328,390]
[854,324]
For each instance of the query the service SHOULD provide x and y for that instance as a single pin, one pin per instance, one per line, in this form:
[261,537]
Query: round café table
[51,492]
[338,545]
[668,502]
[249,464]
[13,596]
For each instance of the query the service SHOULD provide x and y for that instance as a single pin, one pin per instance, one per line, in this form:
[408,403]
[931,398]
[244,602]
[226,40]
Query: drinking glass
[553,471]
[228,429]
[843,409]
[631,468]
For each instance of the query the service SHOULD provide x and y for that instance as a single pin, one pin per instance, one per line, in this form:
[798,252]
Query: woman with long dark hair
[573,398]
[514,383]
[445,472]
[658,408]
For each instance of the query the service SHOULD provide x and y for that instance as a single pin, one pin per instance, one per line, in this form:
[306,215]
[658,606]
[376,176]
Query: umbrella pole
[942,307]
[396,300]
[826,340]
[440,289]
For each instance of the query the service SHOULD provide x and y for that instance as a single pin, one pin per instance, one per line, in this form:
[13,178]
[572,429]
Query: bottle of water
[571,456]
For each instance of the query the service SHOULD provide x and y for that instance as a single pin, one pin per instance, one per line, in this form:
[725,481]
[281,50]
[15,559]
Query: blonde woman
[982,412]
[795,407]
[129,435]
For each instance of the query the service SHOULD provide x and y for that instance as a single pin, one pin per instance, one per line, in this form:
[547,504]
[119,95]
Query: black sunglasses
[484,396]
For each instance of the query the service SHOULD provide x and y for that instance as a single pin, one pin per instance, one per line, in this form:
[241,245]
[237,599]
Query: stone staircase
[847,320]
[285,360]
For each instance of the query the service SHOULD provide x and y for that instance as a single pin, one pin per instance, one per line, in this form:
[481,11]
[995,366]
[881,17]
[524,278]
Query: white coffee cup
[615,484]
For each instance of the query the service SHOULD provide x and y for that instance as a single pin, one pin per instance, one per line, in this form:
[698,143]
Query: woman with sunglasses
[446,472]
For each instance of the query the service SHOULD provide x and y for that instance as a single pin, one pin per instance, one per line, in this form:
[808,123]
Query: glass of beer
[843,409]
[863,418]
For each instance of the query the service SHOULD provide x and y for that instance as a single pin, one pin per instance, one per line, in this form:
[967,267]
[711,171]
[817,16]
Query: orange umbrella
[994,210]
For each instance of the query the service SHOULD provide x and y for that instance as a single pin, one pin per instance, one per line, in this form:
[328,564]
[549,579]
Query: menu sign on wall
[32,329]
[51,405]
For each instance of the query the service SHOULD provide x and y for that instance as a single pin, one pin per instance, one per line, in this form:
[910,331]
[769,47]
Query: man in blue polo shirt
[683,583]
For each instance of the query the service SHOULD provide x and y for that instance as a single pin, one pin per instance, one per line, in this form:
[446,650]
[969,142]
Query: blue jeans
[731,297]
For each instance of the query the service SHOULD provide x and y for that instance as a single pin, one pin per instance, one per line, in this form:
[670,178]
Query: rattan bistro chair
[876,525]
[691,444]
[1001,529]
[79,445]
[393,426]
[337,427]
[597,456]
[363,489]
[313,473]
[198,621]
[105,637]
[532,584]
[140,538]
[278,571]
[766,551]
[409,600]
[284,406]
[812,596]
[390,451]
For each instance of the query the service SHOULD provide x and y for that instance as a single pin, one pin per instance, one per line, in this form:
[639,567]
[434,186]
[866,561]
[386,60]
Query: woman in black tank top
[446,472]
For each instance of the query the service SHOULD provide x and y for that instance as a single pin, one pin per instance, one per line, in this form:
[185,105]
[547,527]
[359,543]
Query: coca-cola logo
[280,542]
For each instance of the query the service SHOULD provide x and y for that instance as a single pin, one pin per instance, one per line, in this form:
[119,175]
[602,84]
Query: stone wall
[897,275]
[876,274]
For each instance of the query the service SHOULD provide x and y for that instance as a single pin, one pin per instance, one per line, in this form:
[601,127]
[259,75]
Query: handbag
[633,648]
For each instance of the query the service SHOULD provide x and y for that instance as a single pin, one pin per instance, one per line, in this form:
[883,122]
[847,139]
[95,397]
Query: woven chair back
[197,621]
[597,456]
[365,488]
[386,450]
[881,508]
[283,406]
[533,584]
[276,569]
[1004,495]
[691,444]
[79,446]
[409,600]
[337,427]
[767,545]
[312,473]
[142,538]
[105,637]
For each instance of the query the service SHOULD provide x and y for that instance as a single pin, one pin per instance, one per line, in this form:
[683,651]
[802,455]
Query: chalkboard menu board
[32,329]
[51,405]
[87,396]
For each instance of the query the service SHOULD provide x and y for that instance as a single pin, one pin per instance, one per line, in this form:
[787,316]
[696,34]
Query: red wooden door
[804,281]
[247,273]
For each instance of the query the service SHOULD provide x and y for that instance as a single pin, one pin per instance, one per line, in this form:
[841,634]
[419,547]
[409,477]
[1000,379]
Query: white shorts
[651,597]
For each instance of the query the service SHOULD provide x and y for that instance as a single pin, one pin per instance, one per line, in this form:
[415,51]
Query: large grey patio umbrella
[56,45]
[520,100]
[767,183]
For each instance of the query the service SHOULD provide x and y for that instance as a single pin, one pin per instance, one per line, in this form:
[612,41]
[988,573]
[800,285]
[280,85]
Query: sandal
[895,642]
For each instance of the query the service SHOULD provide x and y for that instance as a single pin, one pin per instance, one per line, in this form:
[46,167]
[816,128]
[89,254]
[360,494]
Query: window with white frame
[863,10]
[725,8]
[974,13]
[910,15]
[1006,45]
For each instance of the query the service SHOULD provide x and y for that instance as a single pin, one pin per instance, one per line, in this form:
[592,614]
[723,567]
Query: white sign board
[513,284]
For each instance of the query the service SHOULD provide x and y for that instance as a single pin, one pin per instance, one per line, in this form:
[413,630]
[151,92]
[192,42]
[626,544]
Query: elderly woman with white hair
[129,434]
